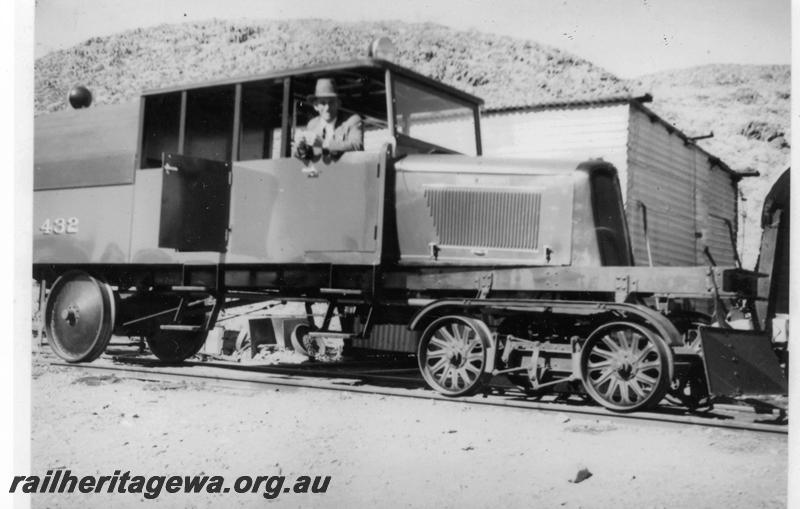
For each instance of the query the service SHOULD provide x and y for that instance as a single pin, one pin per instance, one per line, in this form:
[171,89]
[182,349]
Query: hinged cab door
[195,204]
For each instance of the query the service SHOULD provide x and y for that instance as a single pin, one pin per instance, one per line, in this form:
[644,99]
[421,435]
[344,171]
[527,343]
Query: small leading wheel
[455,355]
[79,316]
[172,346]
[625,367]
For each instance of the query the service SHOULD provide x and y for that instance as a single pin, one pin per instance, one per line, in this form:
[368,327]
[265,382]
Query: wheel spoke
[606,374]
[475,356]
[615,348]
[633,338]
[610,389]
[645,378]
[464,374]
[474,343]
[454,376]
[634,384]
[644,366]
[438,343]
[441,363]
[624,394]
[473,369]
[436,354]
[447,336]
[593,366]
[603,353]
[622,340]
[477,362]
[466,336]
[644,352]
[635,345]
[445,375]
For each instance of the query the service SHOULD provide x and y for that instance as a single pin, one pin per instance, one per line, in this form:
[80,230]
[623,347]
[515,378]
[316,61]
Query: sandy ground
[384,451]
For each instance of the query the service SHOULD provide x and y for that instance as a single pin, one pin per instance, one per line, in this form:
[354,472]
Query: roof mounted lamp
[80,97]
[382,48]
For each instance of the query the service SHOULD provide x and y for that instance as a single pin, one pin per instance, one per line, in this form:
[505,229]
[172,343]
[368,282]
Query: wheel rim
[625,367]
[296,338]
[453,355]
[79,317]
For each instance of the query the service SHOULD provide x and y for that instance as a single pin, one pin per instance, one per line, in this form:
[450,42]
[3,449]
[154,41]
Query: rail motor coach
[152,217]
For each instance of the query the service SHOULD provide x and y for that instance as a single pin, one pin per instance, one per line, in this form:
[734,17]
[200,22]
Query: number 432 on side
[59,225]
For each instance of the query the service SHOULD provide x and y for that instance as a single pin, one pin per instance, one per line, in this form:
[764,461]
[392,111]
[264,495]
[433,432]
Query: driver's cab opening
[258,118]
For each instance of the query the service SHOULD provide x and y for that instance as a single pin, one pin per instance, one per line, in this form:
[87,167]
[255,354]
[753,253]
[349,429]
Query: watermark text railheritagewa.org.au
[151,487]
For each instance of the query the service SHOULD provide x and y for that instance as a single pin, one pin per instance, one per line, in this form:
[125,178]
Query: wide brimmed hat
[325,87]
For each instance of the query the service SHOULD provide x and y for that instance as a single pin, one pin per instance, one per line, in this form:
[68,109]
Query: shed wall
[722,198]
[581,133]
[661,171]
[691,202]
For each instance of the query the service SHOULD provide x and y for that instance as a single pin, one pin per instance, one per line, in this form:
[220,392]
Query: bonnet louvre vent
[502,218]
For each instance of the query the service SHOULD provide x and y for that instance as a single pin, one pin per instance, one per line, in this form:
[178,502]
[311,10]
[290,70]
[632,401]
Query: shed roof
[571,104]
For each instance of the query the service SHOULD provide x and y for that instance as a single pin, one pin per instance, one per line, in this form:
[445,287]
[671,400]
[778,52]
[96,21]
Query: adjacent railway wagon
[154,216]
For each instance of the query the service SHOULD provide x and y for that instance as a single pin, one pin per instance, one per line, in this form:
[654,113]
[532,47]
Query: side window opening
[261,120]
[362,93]
[162,117]
[429,116]
[208,131]
[209,123]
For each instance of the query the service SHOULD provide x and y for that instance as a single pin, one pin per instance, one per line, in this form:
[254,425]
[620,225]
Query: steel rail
[356,382]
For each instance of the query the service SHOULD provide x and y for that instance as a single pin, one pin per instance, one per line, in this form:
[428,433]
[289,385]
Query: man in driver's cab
[331,132]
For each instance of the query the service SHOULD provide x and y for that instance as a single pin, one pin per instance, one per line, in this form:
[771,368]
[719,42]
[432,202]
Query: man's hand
[302,150]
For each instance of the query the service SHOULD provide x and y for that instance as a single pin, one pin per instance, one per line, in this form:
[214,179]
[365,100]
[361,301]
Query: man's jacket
[348,133]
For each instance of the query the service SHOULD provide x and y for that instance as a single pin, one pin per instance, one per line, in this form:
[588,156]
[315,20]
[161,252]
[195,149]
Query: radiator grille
[502,218]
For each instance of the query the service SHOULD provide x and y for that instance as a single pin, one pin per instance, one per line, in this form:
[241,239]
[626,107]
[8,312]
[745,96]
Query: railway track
[402,379]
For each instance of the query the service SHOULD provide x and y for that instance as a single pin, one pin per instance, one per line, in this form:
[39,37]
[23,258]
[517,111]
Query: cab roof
[364,64]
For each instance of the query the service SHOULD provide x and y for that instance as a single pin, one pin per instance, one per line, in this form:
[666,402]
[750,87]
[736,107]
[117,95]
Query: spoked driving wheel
[625,367]
[79,316]
[455,355]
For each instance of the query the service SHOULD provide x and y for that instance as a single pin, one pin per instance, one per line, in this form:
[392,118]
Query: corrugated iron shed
[689,196]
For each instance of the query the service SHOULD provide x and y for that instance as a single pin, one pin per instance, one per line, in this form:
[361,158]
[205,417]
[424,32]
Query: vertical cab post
[390,103]
[182,123]
[286,116]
